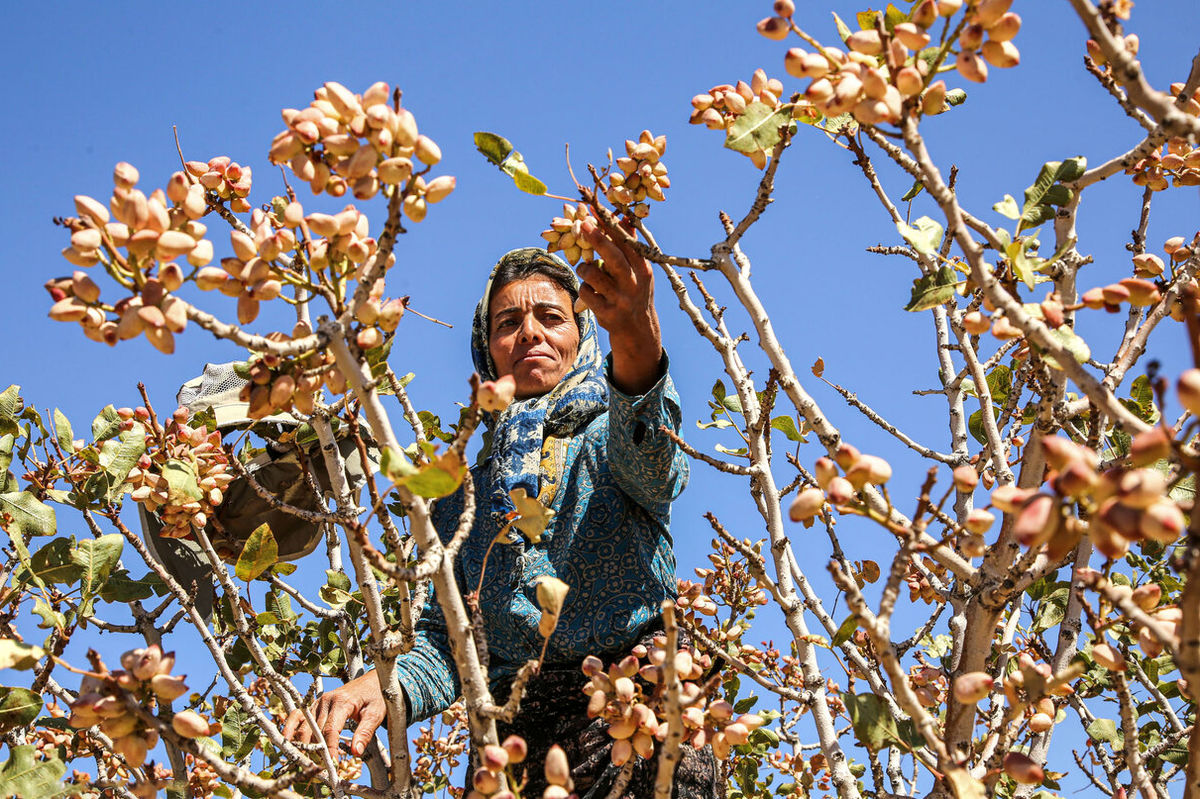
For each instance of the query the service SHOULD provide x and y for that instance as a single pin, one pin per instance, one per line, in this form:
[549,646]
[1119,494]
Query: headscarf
[519,431]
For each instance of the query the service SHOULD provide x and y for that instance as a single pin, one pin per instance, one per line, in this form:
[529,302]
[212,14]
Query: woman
[586,441]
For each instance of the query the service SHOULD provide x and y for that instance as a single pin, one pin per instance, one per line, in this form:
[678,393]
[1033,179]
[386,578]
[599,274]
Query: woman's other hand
[360,699]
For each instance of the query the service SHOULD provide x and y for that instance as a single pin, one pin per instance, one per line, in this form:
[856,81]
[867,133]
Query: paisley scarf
[520,430]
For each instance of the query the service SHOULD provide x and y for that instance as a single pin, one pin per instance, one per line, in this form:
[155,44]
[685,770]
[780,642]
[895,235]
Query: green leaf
[875,726]
[787,426]
[64,434]
[51,618]
[759,128]
[916,188]
[28,777]
[16,655]
[10,400]
[1008,207]
[18,706]
[30,516]
[956,97]
[866,20]
[53,564]
[239,734]
[500,152]
[1105,730]
[438,478]
[842,28]
[106,424]
[975,425]
[999,382]
[925,235]
[495,148]
[182,485]
[1047,191]
[120,587]
[1074,344]
[845,630]
[96,558]
[931,291]
[260,553]
[1052,610]
[528,183]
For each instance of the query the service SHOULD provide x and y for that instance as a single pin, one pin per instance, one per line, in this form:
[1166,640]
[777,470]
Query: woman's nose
[531,329]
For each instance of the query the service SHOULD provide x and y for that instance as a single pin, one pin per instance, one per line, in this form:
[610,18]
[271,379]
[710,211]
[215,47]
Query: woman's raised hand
[621,295]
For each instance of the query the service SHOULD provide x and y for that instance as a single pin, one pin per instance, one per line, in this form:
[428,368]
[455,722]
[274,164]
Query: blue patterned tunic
[610,475]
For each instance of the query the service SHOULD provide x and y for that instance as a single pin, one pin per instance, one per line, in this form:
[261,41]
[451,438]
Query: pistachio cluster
[432,753]
[109,698]
[277,385]
[859,471]
[495,762]
[139,249]
[880,71]
[633,709]
[722,105]
[642,175]
[360,143]
[1166,618]
[221,175]
[987,39]
[1180,163]
[178,448]
[203,780]
[1125,503]
[564,234]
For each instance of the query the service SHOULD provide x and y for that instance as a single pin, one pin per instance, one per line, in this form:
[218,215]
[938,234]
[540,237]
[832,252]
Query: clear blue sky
[89,85]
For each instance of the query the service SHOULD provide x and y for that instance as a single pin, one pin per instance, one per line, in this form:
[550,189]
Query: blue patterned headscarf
[519,431]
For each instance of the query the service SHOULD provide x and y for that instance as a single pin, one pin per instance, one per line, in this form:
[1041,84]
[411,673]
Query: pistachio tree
[1028,621]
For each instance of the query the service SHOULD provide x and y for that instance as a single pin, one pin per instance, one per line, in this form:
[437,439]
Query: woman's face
[533,336]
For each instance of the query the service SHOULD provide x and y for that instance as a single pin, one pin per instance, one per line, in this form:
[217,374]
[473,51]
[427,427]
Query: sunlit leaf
[182,486]
[787,426]
[18,655]
[500,152]
[96,558]
[930,291]
[18,706]
[106,424]
[759,128]
[916,188]
[438,478]
[845,630]
[63,432]
[1008,207]
[30,516]
[260,553]
[533,517]
[1074,344]
[925,234]
[28,776]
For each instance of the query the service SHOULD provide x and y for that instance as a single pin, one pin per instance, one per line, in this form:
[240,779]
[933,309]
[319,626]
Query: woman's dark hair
[529,263]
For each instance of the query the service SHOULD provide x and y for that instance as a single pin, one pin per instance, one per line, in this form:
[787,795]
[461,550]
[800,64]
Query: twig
[668,755]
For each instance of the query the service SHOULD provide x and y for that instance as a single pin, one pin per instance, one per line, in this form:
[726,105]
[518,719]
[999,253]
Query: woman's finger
[615,262]
[597,279]
[594,300]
